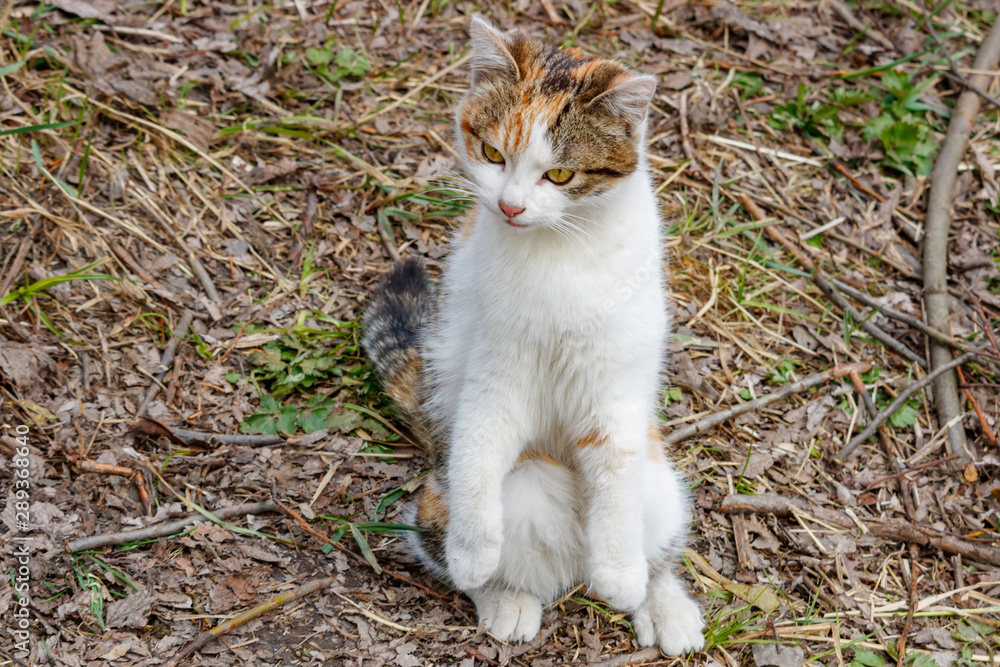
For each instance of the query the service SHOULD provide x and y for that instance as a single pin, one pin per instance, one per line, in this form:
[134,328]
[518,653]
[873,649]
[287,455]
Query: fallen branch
[824,285]
[95,542]
[846,450]
[895,529]
[717,418]
[247,616]
[182,436]
[936,226]
[909,469]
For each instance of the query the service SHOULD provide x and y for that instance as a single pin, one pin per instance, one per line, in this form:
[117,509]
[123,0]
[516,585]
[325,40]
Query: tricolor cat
[532,372]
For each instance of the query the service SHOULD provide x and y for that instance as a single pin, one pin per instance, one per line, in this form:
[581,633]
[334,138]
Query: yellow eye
[492,154]
[559,176]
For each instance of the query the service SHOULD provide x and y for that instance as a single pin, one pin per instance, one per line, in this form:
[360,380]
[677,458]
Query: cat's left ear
[629,97]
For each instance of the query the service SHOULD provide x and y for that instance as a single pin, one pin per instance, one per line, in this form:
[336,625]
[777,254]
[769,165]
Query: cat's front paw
[670,619]
[624,586]
[472,557]
[510,616]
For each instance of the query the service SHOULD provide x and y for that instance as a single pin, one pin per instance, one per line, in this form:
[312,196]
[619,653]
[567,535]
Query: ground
[197,197]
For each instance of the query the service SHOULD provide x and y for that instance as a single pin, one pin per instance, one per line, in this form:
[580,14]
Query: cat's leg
[487,440]
[668,617]
[542,548]
[611,462]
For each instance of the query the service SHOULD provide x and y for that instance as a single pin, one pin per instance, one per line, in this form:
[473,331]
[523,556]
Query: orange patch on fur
[404,387]
[592,439]
[433,510]
[535,455]
[654,444]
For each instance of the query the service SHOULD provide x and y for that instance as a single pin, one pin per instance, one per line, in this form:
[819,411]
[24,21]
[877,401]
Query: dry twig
[247,616]
[942,186]
[163,529]
[895,529]
[714,420]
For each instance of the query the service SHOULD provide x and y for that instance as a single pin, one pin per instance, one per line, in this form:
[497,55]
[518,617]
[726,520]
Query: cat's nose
[510,211]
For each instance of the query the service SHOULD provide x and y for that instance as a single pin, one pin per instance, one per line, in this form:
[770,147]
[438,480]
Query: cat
[532,372]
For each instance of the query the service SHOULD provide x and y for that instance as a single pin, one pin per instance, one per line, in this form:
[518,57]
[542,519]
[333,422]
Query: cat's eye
[559,176]
[492,154]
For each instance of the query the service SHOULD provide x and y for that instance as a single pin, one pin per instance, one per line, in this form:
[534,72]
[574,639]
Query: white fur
[547,333]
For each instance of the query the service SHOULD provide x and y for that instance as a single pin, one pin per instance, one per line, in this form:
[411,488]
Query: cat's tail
[401,306]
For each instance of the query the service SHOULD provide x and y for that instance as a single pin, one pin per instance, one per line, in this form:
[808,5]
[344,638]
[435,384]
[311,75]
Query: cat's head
[544,131]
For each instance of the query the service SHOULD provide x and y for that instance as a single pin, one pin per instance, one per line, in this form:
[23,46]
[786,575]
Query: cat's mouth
[510,221]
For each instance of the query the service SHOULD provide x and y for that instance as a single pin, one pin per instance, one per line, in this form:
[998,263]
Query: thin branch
[164,529]
[896,404]
[247,616]
[896,529]
[936,227]
[717,418]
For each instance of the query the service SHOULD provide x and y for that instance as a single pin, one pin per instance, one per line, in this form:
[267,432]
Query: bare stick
[896,404]
[638,657]
[905,471]
[250,440]
[162,530]
[247,616]
[831,293]
[936,226]
[895,529]
[717,418]
[911,607]
[165,361]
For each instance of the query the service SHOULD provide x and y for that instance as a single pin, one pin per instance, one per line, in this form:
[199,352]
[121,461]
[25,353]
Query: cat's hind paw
[510,616]
[670,619]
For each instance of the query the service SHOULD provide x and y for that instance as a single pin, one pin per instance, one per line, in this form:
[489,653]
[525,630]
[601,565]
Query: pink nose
[510,211]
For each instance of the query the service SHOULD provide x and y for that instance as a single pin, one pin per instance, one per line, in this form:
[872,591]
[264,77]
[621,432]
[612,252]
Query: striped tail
[401,305]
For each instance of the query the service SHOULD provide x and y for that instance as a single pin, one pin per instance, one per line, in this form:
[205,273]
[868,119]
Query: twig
[247,616]
[162,530]
[936,226]
[823,284]
[638,657]
[910,608]
[717,418]
[908,470]
[182,436]
[896,529]
[169,351]
[251,440]
[896,404]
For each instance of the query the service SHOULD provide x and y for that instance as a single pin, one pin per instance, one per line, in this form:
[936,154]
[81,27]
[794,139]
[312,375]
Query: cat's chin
[516,225]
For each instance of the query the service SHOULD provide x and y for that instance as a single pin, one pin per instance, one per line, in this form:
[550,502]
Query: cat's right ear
[491,55]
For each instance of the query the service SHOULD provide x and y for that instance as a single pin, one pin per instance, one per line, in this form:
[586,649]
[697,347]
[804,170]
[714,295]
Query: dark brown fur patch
[558,89]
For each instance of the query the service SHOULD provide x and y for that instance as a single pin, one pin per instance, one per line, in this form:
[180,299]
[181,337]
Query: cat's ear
[490,51]
[629,97]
